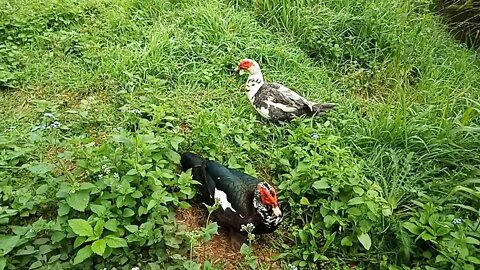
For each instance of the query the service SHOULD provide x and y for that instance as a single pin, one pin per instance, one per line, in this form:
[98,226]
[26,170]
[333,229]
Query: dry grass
[219,250]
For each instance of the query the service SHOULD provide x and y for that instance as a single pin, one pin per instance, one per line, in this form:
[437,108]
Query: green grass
[405,138]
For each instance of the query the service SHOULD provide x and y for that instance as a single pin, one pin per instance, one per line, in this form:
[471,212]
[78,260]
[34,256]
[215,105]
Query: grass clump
[99,98]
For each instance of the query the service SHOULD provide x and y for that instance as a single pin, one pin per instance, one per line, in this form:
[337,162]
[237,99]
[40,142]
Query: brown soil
[219,250]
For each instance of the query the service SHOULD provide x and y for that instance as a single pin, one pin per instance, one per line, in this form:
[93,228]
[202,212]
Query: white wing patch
[263,112]
[282,107]
[222,196]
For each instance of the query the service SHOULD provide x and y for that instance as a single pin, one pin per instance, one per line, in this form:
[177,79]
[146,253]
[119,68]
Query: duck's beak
[276,211]
[239,70]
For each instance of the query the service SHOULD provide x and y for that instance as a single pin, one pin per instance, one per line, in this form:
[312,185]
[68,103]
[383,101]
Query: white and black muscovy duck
[274,101]
[243,198]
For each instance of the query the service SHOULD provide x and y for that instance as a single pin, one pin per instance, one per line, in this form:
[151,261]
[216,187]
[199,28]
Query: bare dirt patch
[219,250]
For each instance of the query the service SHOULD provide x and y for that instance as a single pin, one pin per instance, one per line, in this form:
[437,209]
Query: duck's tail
[321,109]
[199,170]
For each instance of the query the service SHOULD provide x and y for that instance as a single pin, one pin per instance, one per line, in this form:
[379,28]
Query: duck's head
[248,65]
[266,203]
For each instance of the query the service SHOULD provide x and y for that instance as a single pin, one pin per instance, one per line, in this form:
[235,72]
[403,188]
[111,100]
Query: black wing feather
[239,193]
[271,91]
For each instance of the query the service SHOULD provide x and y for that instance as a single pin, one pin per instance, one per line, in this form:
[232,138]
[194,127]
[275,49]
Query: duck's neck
[254,82]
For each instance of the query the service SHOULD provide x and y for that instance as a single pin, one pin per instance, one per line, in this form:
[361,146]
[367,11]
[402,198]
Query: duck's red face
[245,65]
[268,196]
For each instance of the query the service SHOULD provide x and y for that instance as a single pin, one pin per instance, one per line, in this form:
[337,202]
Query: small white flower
[457,221]
[107,171]
[292,267]
[135,268]
[100,176]
[116,175]
[47,114]
[11,128]
[56,124]
[315,136]
[136,112]
[247,228]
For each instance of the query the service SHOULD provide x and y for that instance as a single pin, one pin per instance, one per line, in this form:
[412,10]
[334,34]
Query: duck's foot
[237,239]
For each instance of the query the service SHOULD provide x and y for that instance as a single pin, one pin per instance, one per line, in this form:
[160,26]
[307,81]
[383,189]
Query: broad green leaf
[42,189]
[3,262]
[20,230]
[354,211]
[98,229]
[98,209]
[81,227]
[151,204]
[82,255]
[304,201]
[57,237]
[356,200]
[211,229]
[35,265]
[365,240]
[347,241]
[175,142]
[132,172]
[63,208]
[131,228]
[41,241]
[463,251]
[39,169]
[136,194]
[44,249]
[28,250]
[191,265]
[413,228]
[321,184]
[386,211]
[127,212]
[78,200]
[173,156]
[471,240]
[441,258]
[426,236]
[474,260]
[329,221]
[8,243]
[284,161]
[99,246]
[467,266]
[441,231]
[115,242]
[54,258]
[358,190]
[79,241]
[85,186]
[111,225]
[245,249]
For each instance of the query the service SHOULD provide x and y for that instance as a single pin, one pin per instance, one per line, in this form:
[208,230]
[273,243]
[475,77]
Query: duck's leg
[236,239]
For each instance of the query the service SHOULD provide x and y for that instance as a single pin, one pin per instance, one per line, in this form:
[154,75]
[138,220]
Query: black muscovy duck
[243,198]
[274,101]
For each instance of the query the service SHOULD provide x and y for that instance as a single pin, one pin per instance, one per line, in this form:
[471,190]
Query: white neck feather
[254,82]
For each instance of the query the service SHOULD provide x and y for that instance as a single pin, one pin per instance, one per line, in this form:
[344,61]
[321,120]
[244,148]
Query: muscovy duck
[274,101]
[243,198]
